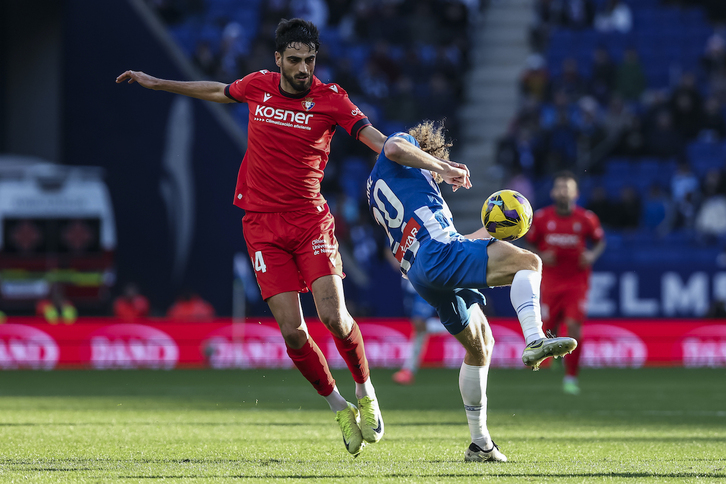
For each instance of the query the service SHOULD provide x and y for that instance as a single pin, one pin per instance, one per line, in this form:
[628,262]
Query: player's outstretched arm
[372,138]
[205,90]
[405,153]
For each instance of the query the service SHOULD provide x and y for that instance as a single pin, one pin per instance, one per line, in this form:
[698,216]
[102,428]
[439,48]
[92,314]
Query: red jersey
[288,141]
[567,236]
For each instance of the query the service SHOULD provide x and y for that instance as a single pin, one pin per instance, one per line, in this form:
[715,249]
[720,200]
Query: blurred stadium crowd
[630,95]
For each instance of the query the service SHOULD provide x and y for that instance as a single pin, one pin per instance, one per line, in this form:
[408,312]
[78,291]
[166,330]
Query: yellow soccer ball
[507,215]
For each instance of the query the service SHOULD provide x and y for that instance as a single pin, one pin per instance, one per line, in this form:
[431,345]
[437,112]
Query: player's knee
[536,261]
[528,261]
[294,338]
[338,324]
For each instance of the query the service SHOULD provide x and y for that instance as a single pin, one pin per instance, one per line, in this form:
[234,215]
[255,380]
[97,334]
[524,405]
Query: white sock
[473,388]
[365,389]
[524,295]
[414,357]
[336,401]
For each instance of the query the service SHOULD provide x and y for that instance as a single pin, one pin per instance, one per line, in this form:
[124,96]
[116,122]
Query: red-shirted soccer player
[569,239]
[287,224]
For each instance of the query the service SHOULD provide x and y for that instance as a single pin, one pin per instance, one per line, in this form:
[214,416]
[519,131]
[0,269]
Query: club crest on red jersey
[308,103]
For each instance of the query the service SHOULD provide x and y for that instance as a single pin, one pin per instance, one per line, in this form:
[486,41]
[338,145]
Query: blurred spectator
[273,11]
[315,11]
[628,209]
[601,205]
[591,135]
[630,79]
[686,105]
[602,81]
[232,47]
[131,304]
[570,81]
[403,105]
[711,217]
[259,56]
[381,58]
[632,142]
[714,57]
[561,142]
[550,113]
[373,81]
[685,192]
[386,24]
[615,17]
[190,307]
[521,150]
[617,118]
[205,59]
[423,28]
[346,76]
[454,21]
[534,80]
[576,14]
[663,140]
[56,307]
[656,208]
[337,9]
[436,105]
[713,125]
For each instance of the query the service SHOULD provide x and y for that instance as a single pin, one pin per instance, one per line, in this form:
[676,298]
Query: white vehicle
[56,226]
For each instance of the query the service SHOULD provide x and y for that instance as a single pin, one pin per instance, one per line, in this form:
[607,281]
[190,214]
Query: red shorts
[563,302]
[290,250]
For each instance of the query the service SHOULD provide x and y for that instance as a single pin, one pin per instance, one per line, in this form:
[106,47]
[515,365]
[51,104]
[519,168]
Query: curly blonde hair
[432,139]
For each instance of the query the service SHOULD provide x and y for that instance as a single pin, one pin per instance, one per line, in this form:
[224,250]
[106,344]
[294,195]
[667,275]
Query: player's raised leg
[522,269]
[478,341]
[311,362]
[330,303]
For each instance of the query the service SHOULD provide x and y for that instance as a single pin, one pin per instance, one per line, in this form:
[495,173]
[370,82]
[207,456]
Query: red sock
[312,364]
[351,349]
[572,362]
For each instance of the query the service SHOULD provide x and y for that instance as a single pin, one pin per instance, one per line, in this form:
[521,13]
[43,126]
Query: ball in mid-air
[507,215]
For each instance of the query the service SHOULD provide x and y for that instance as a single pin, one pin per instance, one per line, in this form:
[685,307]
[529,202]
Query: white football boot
[538,351]
[476,454]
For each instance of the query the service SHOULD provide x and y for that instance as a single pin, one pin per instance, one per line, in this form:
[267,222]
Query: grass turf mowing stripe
[647,425]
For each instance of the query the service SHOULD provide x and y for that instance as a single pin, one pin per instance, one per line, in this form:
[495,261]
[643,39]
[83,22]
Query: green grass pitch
[631,426]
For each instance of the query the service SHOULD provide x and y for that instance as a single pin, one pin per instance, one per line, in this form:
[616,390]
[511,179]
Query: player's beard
[563,205]
[297,84]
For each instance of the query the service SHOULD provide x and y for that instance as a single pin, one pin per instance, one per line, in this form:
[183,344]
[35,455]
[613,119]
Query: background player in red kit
[569,239]
[287,224]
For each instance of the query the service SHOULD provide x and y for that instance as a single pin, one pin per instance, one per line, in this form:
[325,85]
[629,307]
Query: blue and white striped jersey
[408,204]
